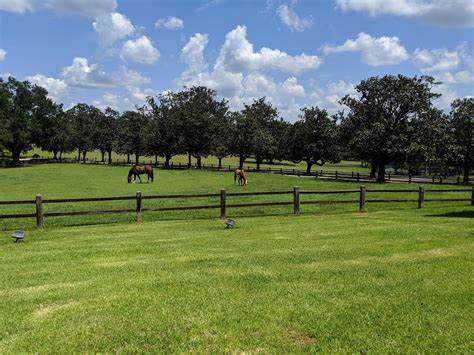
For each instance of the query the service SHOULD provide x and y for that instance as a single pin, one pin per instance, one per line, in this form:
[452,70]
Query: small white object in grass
[229,222]
[18,235]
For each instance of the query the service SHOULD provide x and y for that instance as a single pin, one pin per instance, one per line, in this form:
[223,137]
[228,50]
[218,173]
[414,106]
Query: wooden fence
[319,174]
[223,205]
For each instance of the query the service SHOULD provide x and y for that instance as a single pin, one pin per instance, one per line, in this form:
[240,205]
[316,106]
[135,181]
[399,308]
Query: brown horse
[240,173]
[136,170]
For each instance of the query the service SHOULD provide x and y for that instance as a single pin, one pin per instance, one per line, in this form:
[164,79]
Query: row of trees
[391,121]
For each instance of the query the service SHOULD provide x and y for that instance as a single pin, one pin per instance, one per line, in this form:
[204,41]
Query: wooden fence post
[316,174]
[335,174]
[139,206]
[39,211]
[352,174]
[432,179]
[458,180]
[223,197]
[296,200]
[362,199]
[472,197]
[357,177]
[440,179]
[421,196]
[409,178]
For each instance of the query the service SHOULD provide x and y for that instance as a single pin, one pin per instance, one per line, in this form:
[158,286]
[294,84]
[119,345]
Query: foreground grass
[395,281]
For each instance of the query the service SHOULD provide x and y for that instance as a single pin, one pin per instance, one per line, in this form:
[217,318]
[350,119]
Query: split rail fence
[223,205]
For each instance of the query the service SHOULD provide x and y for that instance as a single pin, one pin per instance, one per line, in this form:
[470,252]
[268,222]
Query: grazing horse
[136,170]
[240,173]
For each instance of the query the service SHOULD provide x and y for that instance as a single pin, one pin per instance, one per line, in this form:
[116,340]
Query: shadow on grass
[462,214]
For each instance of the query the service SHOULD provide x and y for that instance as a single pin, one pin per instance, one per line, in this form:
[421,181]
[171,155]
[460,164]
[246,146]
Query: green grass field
[392,280]
[234,161]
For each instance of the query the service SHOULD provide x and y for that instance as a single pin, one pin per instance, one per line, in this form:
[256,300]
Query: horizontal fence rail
[223,205]
[320,174]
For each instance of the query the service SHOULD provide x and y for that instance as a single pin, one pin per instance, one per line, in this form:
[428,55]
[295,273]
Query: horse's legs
[139,178]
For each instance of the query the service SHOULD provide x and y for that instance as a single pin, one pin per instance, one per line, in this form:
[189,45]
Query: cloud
[375,51]
[192,53]
[125,101]
[240,87]
[90,8]
[237,55]
[3,54]
[439,60]
[456,67]
[454,13]
[171,23]
[111,27]
[289,18]
[57,88]
[140,50]
[82,75]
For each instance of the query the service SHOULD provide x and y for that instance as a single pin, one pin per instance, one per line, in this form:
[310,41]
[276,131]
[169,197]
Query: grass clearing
[387,281]
[394,279]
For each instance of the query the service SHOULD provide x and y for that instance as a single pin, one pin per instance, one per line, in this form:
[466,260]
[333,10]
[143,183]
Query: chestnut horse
[136,170]
[240,173]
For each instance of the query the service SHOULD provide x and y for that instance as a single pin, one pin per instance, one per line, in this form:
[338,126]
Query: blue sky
[296,53]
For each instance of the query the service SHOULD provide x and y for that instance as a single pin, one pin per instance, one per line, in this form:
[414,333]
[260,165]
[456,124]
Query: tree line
[391,122]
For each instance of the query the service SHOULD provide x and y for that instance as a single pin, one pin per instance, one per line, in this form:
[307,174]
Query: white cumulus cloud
[90,8]
[3,54]
[140,50]
[237,55]
[111,27]
[81,74]
[452,67]
[441,12]
[57,88]
[290,18]
[171,23]
[375,51]
[192,53]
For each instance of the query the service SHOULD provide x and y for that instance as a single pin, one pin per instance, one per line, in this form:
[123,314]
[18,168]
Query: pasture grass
[76,180]
[344,165]
[395,281]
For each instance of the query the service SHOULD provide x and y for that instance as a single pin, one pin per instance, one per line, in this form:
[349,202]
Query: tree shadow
[462,214]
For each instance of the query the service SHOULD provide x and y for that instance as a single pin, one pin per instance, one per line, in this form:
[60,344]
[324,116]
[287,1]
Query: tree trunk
[241,161]
[102,151]
[78,154]
[220,163]
[167,160]
[110,156]
[198,162]
[381,175]
[137,158]
[156,159]
[189,160]
[16,155]
[84,156]
[373,169]
[60,155]
[55,154]
[466,169]
[258,160]
[128,158]
[309,164]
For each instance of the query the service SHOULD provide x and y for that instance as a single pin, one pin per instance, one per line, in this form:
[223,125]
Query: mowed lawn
[392,279]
